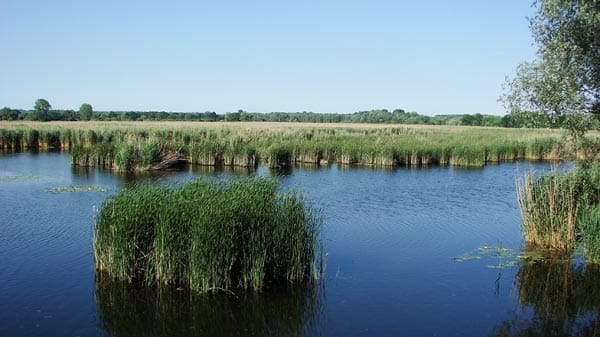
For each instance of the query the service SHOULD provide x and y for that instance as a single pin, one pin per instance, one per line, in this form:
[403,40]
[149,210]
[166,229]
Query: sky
[432,57]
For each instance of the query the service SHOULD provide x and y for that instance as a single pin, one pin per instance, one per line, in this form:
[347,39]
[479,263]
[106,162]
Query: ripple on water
[390,235]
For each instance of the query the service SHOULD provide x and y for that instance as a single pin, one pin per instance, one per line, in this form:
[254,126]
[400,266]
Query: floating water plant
[80,188]
[501,256]
[208,235]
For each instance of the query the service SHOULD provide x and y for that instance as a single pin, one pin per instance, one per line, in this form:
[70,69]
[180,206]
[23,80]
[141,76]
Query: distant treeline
[73,115]
[42,112]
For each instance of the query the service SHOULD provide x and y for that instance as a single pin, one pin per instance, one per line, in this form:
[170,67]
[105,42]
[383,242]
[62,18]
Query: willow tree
[564,80]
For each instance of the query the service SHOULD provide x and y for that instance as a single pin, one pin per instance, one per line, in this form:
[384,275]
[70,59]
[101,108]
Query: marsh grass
[550,207]
[560,210]
[589,231]
[139,146]
[208,235]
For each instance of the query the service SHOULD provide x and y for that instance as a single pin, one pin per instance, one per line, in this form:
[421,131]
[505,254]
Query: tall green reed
[134,144]
[208,235]
[560,210]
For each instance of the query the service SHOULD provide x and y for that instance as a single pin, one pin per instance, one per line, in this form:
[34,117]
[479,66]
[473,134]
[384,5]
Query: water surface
[391,239]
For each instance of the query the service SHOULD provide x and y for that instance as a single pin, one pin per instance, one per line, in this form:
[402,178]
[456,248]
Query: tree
[564,80]
[85,112]
[244,116]
[9,114]
[232,116]
[41,110]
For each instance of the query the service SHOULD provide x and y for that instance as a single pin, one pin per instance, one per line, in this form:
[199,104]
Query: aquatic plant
[589,232]
[144,145]
[550,207]
[78,188]
[208,235]
[500,257]
[560,209]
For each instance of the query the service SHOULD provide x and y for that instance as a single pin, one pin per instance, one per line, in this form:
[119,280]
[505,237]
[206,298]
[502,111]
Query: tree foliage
[41,110]
[85,112]
[564,80]
[9,114]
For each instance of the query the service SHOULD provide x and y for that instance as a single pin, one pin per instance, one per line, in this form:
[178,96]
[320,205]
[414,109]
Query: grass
[140,146]
[208,235]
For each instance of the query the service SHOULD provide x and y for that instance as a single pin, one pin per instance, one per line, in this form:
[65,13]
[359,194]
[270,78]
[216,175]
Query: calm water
[403,247]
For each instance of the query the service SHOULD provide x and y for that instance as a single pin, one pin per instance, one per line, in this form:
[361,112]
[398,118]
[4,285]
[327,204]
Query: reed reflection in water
[128,310]
[559,298]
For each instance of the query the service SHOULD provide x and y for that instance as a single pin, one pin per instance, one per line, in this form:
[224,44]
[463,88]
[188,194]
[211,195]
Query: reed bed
[139,146]
[208,235]
[589,231]
[550,208]
[561,210]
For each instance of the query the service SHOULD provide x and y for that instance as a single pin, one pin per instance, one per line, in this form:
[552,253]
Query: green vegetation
[499,257]
[561,210]
[550,209]
[520,119]
[562,86]
[152,146]
[564,81]
[85,112]
[589,232]
[208,235]
[41,110]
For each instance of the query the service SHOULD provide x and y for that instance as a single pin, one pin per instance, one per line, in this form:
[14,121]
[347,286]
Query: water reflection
[83,171]
[183,173]
[558,297]
[131,310]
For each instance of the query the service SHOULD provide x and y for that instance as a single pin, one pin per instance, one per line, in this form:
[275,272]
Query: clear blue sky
[433,57]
